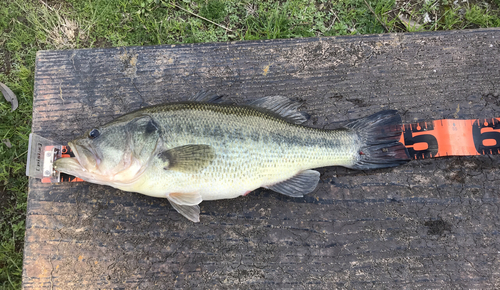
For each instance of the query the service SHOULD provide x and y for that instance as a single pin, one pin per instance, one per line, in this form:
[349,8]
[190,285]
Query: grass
[27,26]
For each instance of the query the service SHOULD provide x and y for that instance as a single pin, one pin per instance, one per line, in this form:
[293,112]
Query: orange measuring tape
[447,137]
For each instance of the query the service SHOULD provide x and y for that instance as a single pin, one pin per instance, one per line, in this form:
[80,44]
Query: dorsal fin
[282,106]
[205,97]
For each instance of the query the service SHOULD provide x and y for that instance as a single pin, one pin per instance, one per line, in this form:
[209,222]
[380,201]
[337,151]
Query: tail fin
[379,135]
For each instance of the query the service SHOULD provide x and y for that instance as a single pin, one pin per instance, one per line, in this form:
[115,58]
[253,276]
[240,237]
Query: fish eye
[94,134]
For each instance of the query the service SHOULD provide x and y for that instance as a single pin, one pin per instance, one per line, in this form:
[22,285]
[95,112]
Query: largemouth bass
[200,150]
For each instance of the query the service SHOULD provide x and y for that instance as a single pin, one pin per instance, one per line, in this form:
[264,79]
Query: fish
[205,149]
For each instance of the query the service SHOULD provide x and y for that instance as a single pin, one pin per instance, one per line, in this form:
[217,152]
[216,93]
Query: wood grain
[430,224]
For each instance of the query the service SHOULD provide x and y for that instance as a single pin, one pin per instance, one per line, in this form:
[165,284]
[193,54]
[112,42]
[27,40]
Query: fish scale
[255,167]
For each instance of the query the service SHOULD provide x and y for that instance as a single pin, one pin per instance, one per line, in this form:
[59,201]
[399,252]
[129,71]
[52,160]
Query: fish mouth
[68,165]
[83,165]
[85,156]
[104,163]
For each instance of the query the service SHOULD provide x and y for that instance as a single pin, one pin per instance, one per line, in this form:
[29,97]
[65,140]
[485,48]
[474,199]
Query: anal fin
[299,185]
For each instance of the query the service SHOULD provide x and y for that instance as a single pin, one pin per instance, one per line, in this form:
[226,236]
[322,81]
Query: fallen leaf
[410,24]
[9,96]
[7,143]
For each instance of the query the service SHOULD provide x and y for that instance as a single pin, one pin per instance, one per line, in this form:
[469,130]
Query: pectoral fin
[299,185]
[186,204]
[188,158]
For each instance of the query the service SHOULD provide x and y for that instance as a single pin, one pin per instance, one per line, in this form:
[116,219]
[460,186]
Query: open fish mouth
[77,155]
[85,156]
[83,164]
[72,167]
[69,166]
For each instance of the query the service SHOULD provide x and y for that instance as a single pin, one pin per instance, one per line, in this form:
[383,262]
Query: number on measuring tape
[420,146]
[486,140]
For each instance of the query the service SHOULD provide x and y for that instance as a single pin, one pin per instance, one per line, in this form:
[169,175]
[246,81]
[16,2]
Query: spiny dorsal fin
[188,158]
[282,106]
[205,97]
[299,185]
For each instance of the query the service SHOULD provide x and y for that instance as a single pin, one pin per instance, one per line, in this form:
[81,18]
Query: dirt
[4,200]
[5,63]
[102,43]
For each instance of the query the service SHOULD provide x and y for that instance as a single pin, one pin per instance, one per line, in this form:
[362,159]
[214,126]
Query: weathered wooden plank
[429,224]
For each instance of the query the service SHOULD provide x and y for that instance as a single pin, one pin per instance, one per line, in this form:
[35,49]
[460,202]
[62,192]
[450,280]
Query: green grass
[28,26]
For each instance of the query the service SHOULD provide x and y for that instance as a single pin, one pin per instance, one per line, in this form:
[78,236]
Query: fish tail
[379,135]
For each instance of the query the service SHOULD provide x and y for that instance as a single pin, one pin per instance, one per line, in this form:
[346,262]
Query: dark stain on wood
[359,229]
[437,227]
